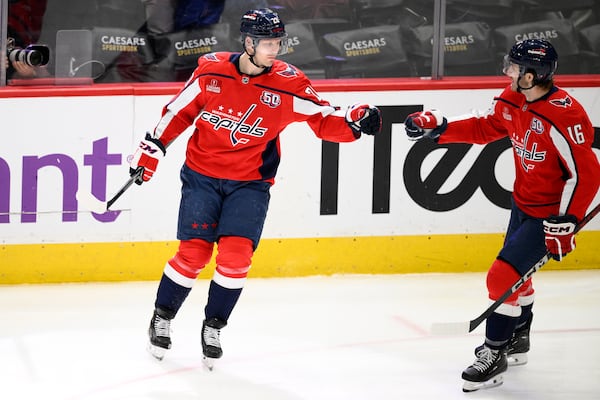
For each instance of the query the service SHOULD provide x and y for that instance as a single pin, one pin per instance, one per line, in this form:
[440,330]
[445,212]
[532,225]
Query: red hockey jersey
[238,118]
[557,172]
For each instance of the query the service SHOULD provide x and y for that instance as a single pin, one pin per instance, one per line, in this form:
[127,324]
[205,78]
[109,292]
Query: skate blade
[517,359]
[208,362]
[474,386]
[156,352]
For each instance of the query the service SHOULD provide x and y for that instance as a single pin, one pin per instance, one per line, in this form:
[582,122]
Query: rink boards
[138,261]
[363,207]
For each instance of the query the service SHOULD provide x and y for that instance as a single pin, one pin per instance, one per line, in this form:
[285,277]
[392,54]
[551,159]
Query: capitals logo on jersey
[236,128]
[527,151]
[564,103]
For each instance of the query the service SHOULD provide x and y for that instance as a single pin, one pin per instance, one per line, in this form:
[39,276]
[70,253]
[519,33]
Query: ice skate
[211,345]
[517,349]
[486,371]
[159,333]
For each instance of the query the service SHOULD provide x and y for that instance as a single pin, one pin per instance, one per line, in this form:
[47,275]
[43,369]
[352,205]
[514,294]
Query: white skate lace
[162,326]
[211,336]
[485,358]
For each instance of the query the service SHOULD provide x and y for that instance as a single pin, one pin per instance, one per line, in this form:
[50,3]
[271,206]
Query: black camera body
[33,55]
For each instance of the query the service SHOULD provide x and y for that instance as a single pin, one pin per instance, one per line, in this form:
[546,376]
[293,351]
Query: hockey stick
[95,205]
[458,328]
[92,203]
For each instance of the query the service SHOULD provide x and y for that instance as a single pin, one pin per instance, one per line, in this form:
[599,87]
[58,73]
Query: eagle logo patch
[564,103]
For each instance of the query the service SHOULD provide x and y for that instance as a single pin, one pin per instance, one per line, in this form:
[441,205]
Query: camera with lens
[33,55]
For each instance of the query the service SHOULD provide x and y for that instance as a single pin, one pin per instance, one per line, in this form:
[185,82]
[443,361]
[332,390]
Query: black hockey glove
[363,118]
[425,124]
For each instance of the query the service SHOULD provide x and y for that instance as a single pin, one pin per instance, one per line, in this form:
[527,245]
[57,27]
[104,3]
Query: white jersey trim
[184,98]
[562,145]
[307,107]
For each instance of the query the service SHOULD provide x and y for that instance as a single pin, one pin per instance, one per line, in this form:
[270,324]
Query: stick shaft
[126,186]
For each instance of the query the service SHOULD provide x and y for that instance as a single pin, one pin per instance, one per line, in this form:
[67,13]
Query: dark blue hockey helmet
[536,56]
[263,23]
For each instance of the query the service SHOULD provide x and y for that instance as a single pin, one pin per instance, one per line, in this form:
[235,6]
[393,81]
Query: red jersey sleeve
[571,134]
[488,127]
[556,170]
[180,113]
[326,121]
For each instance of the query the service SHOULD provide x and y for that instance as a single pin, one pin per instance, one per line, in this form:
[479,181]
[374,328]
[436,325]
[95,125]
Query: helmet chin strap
[521,88]
[251,58]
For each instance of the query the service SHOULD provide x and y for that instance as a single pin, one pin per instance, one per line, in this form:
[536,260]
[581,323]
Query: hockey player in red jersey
[238,104]
[557,177]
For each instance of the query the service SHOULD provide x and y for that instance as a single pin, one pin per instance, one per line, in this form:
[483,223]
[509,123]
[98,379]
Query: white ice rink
[317,338]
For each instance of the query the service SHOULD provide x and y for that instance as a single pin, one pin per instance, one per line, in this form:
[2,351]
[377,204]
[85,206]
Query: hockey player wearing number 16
[238,104]
[557,177]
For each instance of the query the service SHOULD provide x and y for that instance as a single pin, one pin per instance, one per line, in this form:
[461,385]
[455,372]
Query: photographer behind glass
[26,63]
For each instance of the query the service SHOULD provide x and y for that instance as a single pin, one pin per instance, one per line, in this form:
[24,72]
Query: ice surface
[317,338]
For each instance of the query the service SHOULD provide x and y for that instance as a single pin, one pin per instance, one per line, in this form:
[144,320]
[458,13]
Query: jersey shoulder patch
[286,70]
[563,102]
[213,58]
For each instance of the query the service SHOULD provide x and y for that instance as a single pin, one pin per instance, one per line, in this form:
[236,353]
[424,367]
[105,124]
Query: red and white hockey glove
[145,159]
[425,124]
[363,118]
[559,233]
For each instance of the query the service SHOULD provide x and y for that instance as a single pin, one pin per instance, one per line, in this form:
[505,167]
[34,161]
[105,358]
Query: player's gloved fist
[145,159]
[363,118]
[559,233]
[425,124]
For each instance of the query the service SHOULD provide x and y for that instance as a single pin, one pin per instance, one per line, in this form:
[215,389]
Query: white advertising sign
[54,147]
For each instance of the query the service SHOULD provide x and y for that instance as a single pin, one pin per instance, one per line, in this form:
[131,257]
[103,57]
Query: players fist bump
[145,159]
[363,118]
[425,124]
